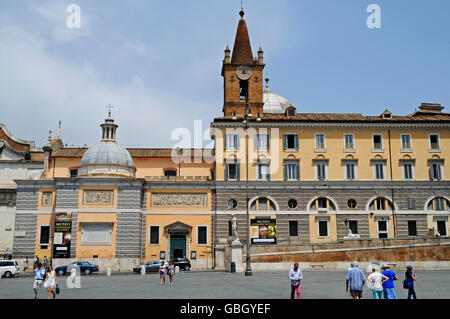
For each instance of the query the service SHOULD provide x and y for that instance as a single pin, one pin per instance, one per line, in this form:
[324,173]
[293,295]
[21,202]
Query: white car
[9,268]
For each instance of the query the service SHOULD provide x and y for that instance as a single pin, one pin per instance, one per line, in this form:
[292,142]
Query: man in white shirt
[296,276]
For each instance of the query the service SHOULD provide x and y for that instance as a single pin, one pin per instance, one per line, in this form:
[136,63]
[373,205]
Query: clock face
[244,72]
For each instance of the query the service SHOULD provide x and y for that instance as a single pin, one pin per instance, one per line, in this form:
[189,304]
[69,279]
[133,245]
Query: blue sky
[159,62]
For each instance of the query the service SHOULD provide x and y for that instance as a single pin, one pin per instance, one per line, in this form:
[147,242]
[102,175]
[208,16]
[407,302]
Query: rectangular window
[231,142]
[379,168]
[442,227]
[381,203]
[436,171]
[349,142]
[73,173]
[262,142]
[202,232]
[434,142]
[293,228]
[406,142]
[382,229]
[232,171]
[290,141]
[44,237]
[291,170]
[263,171]
[323,228]
[321,170]
[322,203]
[408,170]
[439,204]
[320,142]
[377,140]
[353,226]
[154,235]
[350,170]
[412,228]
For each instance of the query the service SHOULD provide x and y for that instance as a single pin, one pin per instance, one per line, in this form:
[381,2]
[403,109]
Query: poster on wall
[263,231]
[62,235]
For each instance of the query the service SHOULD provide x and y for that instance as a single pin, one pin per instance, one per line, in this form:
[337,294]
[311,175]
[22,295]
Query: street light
[247,115]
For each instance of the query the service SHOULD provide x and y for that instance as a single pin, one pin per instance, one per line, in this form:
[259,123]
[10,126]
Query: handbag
[405,284]
[57,290]
[46,284]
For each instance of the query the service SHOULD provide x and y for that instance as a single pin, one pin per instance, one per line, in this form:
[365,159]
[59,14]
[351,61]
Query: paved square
[221,285]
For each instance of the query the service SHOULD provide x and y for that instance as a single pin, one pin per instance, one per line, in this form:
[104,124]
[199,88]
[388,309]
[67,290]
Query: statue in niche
[234,228]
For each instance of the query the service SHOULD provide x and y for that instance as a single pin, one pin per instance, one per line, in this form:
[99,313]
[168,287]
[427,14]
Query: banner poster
[62,235]
[263,230]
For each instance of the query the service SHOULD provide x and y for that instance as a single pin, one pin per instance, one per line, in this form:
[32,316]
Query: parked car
[85,268]
[151,266]
[182,263]
[9,268]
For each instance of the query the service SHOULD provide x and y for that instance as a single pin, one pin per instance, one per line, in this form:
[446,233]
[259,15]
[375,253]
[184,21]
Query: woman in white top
[162,273]
[51,282]
[375,282]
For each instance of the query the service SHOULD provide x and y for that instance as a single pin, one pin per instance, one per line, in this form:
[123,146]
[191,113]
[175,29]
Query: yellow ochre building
[311,178]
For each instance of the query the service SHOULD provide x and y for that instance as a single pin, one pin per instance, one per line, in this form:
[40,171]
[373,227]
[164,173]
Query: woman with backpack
[408,283]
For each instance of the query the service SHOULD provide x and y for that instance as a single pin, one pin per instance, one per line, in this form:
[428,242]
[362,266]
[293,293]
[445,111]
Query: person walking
[171,272]
[36,261]
[45,262]
[410,277]
[51,282]
[376,280]
[296,276]
[38,278]
[162,273]
[388,285]
[355,280]
[25,264]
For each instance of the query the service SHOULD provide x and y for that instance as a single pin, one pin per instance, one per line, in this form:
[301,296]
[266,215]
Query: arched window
[438,203]
[381,203]
[263,204]
[322,204]
[170,172]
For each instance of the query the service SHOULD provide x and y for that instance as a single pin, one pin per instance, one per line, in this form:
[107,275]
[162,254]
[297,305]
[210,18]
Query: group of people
[46,276]
[45,263]
[381,283]
[166,269]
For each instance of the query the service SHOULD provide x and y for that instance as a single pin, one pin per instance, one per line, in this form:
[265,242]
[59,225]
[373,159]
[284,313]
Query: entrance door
[177,246]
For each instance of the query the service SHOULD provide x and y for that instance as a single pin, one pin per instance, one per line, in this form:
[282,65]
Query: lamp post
[247,115]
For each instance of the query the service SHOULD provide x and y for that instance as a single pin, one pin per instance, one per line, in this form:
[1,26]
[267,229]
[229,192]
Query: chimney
[431,107]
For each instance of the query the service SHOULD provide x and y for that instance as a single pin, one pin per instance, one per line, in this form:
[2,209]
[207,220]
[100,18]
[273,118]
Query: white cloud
[38,89]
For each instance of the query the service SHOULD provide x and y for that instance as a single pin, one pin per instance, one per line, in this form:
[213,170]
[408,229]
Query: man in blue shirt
[355,279]
[388,285]
[296,276]
[39,274]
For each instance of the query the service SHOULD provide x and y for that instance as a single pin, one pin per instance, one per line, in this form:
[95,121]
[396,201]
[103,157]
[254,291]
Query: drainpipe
[394,218]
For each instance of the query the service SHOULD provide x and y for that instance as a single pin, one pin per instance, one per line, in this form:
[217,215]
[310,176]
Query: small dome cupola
[109,128]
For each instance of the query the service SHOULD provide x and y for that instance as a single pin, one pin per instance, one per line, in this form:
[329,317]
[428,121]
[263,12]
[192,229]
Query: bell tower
[242,75]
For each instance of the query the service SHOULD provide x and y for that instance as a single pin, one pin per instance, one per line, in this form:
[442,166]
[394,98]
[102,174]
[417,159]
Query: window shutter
[255,141]
[285,171]
[226,171]
[268,141]
[298,170]
[296,142]
[285,141]
[236,141]
[225,140]
[238,171]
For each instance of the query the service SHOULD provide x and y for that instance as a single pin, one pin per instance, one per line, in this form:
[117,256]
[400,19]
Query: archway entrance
[178,237]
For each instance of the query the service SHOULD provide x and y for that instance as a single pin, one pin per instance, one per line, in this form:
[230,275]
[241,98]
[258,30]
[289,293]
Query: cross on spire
[109,107]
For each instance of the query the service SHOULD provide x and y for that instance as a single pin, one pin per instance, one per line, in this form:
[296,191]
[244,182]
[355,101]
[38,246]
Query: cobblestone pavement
[218,285]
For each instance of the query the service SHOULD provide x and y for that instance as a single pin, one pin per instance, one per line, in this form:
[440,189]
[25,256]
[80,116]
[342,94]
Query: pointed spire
[242,50]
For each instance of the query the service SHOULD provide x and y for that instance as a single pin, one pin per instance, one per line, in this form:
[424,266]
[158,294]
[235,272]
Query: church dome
[107,152]
[274,103]
[107,157]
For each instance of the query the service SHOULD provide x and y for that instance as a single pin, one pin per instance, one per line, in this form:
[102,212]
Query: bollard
[177,269]
[143,270]
[108,272]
